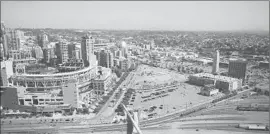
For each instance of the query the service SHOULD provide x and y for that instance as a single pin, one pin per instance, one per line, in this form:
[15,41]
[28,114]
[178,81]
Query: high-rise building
[62,51]
[42,40]
[215,66]
[4,41]
[119,53]
[49,54]
[2,56]
[78,54]
[105,58]
[6,72]
[13,41]
[37,53]
[87,49]
[152,44]
[237,69]
[124,64]
[4,79]
[71,51]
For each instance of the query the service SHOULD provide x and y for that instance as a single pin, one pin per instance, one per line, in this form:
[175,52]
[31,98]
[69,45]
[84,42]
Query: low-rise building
[209,90]
[223,83]
[101,84]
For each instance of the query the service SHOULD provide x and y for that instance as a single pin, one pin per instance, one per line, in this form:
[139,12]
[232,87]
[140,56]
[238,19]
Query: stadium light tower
[134,123]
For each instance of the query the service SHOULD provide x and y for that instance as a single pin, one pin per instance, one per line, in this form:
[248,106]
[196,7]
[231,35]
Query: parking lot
[166,93]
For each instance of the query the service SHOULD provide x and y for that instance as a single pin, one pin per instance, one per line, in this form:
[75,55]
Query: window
[28,100]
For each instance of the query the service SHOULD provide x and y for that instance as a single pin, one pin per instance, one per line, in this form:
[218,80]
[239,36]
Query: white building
[223,83]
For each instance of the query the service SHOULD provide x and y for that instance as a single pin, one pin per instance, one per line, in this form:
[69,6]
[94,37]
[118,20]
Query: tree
[118,73]
[196,70]
[201,70]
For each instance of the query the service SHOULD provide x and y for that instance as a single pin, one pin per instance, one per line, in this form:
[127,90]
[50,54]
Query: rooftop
[237,60]
[106,72]
[217,77]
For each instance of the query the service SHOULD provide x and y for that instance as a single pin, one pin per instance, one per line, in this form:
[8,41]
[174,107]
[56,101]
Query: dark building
[71,51]
[237,69]
[87,49]
[9,100]
[61,51]
[4,80]
[264,64]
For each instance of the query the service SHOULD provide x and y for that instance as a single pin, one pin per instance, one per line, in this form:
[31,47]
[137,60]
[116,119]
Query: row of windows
[45,99]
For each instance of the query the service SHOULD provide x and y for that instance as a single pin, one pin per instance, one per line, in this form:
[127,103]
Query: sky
[138,15]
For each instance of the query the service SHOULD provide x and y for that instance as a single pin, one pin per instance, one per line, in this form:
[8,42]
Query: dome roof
[123,44]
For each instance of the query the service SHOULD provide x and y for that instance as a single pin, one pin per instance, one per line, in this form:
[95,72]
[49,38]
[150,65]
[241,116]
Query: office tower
[14,43]
[62,51]
[6,71]
[71,51]
[3,80]
[37,52]
[110,60]
[2,56]
[4,41]
[105,58]
[42,40]
[49,54]
[119,53]
[152,44]
[215,66]
[124,64]
[97,54]
[78,54]
[237,68]
[87,49]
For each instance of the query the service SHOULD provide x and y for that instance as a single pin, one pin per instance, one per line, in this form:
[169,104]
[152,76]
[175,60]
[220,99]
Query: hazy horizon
[138,15]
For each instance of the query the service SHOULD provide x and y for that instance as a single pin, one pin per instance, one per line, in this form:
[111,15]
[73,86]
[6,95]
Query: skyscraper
[237,69]
[71,51]
[42,40]
[62,51]
[87,47]
[215,67]
[4,40]
[49,54]
[105,58]
[13,40]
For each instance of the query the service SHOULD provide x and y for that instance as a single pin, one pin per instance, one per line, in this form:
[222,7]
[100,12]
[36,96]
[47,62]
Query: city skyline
[138,15]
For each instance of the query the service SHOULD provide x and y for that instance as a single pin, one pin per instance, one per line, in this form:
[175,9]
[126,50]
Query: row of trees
[125,101]
[107,97]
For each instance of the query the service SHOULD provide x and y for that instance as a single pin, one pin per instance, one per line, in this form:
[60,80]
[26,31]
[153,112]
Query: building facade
[209,90]
[62,51]
[102,83]
[124,64]
[237,69]
[71,51]
[215,68]
[87,49]
[223,83]
[71,94]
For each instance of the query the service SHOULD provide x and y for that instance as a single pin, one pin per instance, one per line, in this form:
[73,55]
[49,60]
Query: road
[106,105]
